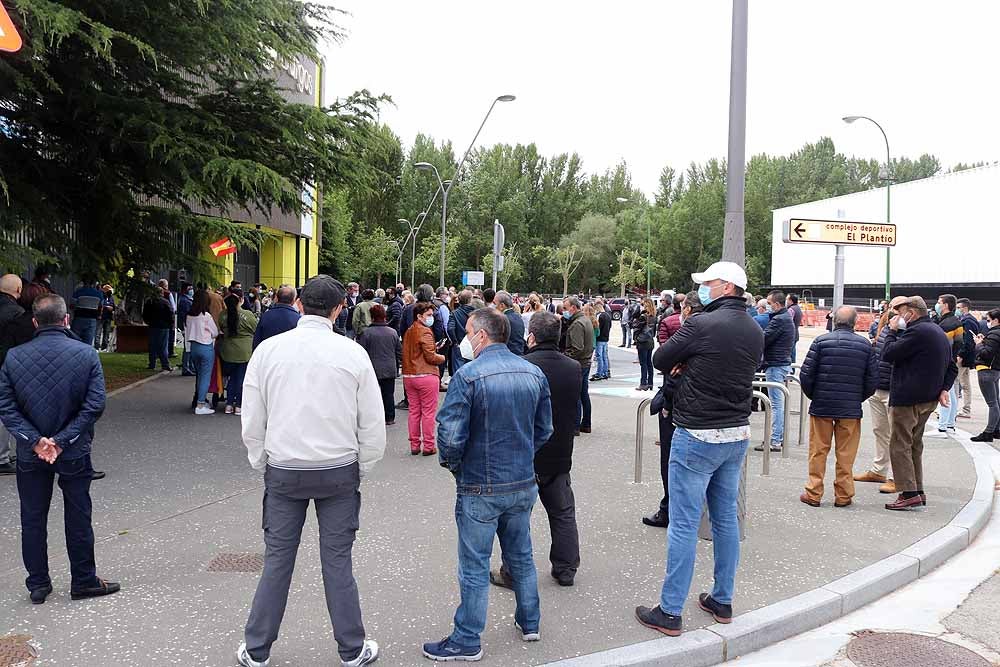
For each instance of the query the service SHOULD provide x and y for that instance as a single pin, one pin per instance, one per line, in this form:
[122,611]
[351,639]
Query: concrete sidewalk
[179,492]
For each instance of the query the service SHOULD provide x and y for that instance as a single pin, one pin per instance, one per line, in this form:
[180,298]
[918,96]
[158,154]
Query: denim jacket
[496,415]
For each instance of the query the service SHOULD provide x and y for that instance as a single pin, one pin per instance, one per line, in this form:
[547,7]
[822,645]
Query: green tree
[123,118]
[513,267]
[630,269]
[564,262]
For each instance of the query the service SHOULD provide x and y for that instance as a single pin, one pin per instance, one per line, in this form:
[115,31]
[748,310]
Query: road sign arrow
[10,41]
[799,230]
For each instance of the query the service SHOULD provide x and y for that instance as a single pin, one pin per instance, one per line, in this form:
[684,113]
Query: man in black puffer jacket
[716,354]
[839,374]
[779,339]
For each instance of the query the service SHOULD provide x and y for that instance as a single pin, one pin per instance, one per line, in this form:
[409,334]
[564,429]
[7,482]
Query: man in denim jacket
[496,415]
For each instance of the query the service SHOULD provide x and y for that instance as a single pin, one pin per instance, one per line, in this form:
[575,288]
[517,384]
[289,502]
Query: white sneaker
[204,410]
[528,636]
[368,655]
[244,659]
[229,409]
[238,411]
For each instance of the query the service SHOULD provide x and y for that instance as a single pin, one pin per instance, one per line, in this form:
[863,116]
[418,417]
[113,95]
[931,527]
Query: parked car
[617,306]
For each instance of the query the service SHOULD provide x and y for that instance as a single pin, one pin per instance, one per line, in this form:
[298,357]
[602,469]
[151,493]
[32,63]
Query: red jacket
[668,327]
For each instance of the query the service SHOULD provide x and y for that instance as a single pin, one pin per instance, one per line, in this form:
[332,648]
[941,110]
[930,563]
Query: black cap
[323,293]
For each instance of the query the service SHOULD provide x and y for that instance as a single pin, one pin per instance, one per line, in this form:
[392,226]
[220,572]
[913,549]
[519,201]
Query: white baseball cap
[729,272]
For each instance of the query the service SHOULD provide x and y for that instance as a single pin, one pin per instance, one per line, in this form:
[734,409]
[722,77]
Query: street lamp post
[446,185]
[414,228]
[888,188]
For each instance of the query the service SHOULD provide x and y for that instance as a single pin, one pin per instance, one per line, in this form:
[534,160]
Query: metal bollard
[766,401]
[803,408]
[639,432]
[780,386]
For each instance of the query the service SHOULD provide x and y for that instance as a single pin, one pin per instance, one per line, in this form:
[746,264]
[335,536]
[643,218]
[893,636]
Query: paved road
[179,492]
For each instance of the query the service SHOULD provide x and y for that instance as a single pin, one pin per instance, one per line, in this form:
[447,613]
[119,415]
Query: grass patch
[121,369]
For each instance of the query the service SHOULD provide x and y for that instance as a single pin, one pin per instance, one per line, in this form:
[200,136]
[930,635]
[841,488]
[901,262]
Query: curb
[779,621]
[139,383]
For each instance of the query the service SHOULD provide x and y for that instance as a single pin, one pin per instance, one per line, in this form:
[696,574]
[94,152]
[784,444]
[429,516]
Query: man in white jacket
[294,384]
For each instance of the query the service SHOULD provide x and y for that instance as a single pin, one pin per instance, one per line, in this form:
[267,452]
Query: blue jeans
[601,354]
[777,374]
[701,472]
[85,328]
[234,385]
[645,366]
[583,403]
[626,333]
[202,359]
[479,518]
[948,414]
[34,487]
[158,347]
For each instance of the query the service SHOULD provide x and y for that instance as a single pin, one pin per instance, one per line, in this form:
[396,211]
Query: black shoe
[168,369]
[188,375]
[596,378]
[657,619]
[403,405]
[657,520]
[501,579]
[105,588]
[982,437]
[622,345]
[576,433]
[8,469]
[97,474]
[722,613]
[564,579]
[39,594]
[584,429]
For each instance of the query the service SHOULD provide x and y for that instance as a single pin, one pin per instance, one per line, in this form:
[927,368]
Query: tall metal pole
[838,278]
[888,189]
[648,255]
[444,227]
[733,242]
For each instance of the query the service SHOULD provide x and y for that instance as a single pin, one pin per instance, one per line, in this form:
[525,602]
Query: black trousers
[666,435]
[556,494]
[388,387]
[34,487]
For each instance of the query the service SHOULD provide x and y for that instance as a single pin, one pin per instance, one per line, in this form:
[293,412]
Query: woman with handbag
[643,324]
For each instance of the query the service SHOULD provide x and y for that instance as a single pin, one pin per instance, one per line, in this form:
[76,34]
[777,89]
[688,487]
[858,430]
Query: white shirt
[200,329]
[311,401]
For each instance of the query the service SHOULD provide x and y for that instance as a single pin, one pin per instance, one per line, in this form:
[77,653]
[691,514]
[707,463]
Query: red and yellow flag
[223,247]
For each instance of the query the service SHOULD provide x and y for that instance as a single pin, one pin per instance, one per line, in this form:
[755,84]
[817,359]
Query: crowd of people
[515,372]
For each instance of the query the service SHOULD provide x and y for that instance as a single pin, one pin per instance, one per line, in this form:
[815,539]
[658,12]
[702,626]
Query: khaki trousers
[965,382]
[879,407]
[822,431]
[907,444]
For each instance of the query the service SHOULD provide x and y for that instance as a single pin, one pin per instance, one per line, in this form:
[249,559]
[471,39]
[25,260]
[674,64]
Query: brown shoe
[888,487]
[902,504]
[869,476]
[842,503]
[808,501]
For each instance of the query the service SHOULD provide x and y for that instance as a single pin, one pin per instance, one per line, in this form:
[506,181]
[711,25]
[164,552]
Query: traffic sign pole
[838,278]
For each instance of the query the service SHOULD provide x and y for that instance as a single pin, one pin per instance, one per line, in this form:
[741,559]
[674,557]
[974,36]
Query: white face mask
[466,349]
[429,321]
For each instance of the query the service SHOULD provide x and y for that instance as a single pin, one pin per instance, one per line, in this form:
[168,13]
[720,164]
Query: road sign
[840,232]
[9,39]
[473,278]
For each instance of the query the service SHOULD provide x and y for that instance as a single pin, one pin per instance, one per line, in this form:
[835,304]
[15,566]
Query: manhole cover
[237,563]
[15,651]
[900,649]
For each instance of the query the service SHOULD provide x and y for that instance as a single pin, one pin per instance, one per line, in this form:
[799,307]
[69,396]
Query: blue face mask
[938,309]
[567,315]
[769,308]
[705,295]
[190,292]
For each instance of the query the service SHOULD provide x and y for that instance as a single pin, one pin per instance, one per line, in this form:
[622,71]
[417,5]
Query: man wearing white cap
[716,355]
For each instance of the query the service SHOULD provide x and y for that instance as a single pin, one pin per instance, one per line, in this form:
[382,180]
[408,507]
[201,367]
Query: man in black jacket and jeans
[779,340]
[554,459]
[716,355]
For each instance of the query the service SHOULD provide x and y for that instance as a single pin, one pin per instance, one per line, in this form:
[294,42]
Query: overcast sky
[648,82]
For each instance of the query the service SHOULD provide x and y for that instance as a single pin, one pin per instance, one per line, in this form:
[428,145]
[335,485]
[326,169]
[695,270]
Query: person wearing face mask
[554,460]
[184,304]
[496,416]
[955,331]
[421,378]
[580,347]
[923,372]
[716,355]
[988,374]
[779,339]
